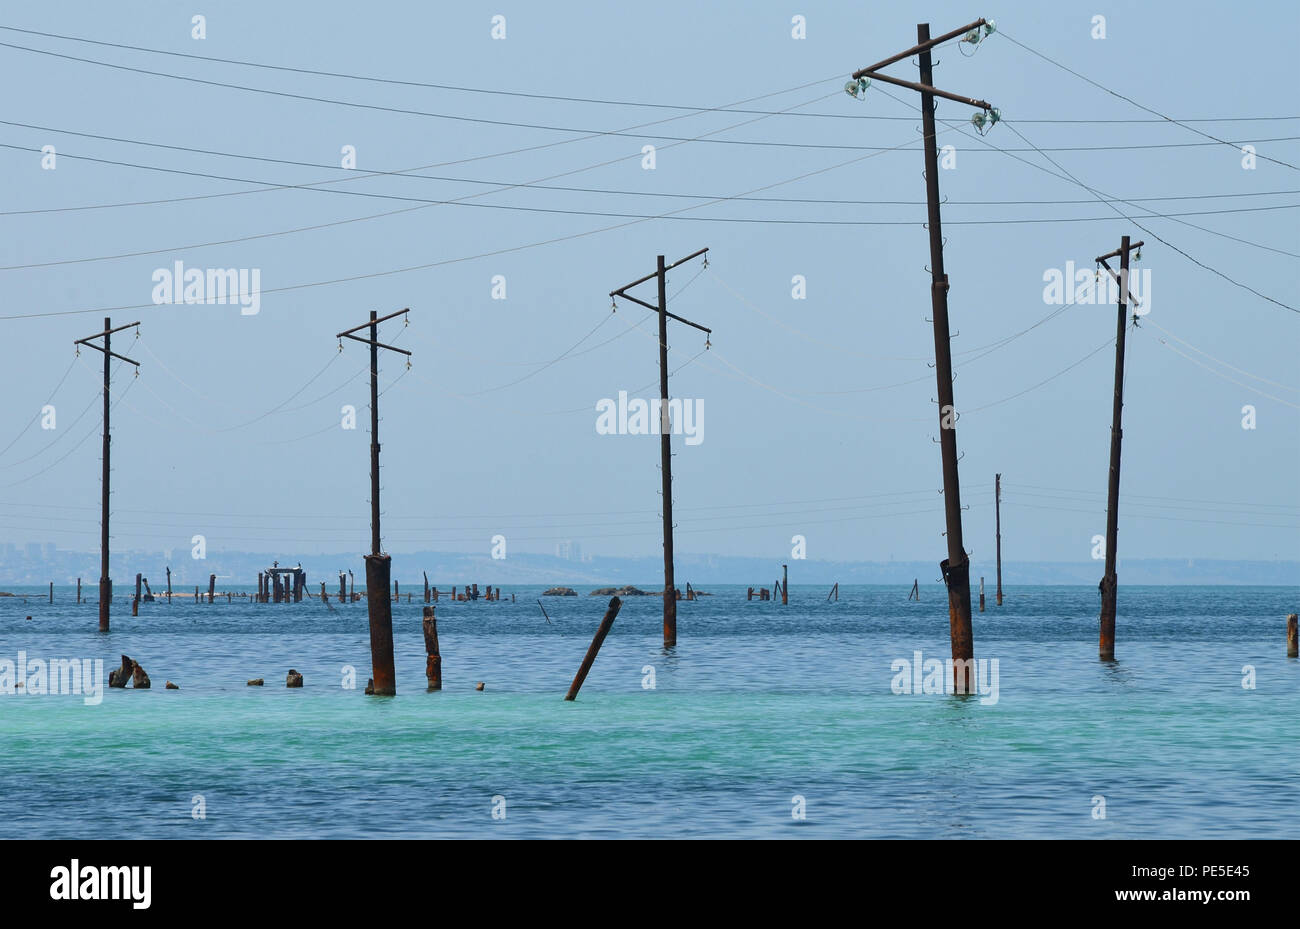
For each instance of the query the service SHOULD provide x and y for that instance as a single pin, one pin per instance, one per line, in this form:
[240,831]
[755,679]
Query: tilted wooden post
[605,624]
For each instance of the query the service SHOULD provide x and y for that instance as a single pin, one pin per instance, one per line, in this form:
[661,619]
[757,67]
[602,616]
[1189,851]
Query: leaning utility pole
[105,582]
[997,517]
[378,565]
[956,567]
[1109,582]
[665,449]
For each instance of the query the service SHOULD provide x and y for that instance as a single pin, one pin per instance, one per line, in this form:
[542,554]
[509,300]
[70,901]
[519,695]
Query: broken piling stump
[433,662]
[293,679]
[981,594]
[256,682]
[119,676]
[170,686]
[1292,637]
[139,680]
[605,624]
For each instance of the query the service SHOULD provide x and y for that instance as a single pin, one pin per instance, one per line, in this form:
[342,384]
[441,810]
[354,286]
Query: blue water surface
[764,721]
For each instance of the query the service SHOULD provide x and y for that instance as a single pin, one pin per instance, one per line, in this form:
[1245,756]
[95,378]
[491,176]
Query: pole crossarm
[102,335]
[1119,252]
[355,338]
[622,292]
[99,335]
[100,348]
[927,89]
[650,277]
[873,71]
[918,48]
[373,322]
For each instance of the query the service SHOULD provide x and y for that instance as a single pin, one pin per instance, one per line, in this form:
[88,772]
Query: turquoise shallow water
[758,704]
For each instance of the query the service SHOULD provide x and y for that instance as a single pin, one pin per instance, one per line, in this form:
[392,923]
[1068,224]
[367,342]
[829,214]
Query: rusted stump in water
[119,676]
[212,588]
[981,594]
[433,660]
[1108,588]
[605,624]
[78,590]
[378,569]
[1292,637]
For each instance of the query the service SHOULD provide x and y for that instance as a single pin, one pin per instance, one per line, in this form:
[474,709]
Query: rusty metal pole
[1109,582]
[378,569]
[169,583]
[105,584]
[785,586]
[605,624]
[956,568]
[997,518]
[433,661]
[665,463]
[1292,637]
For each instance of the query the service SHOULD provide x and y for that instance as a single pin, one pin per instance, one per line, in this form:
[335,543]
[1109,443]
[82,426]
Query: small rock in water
[171,686]
[139,680]
[119,676]
[294,679]
[370,685]
[479,686]
[256,682]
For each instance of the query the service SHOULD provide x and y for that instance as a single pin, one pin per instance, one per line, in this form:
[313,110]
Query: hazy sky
[818,413]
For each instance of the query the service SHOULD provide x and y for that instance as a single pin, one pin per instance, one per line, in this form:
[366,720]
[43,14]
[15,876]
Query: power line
[569,99]
[1115,93]
[489,254]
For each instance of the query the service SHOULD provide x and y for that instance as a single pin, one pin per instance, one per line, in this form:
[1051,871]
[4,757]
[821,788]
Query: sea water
[764,721]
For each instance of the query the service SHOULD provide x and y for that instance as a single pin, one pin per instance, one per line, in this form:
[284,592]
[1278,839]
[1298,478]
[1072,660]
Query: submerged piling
[1292,637]
[378,568]
[212,588]
[981,593]
[605,624]
[433,660]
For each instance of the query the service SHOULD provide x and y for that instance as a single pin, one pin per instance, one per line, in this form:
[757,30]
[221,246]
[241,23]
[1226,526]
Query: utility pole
[665,448]
[105,582]
[1109,582]
[997,516]
[378,565]
[956,567]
